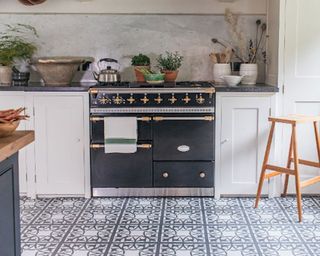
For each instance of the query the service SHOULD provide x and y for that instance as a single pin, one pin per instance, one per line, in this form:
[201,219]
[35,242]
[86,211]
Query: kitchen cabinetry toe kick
[152,192]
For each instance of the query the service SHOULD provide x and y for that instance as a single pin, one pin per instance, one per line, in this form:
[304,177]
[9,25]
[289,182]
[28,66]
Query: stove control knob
[173,99]
[131,100]
[118,100]
[145,99]
[104,100]
[200,99]
[186,99]
[202,175]
[165,175]
[158,99]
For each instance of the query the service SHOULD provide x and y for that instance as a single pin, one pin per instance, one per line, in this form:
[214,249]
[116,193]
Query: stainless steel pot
[107,75]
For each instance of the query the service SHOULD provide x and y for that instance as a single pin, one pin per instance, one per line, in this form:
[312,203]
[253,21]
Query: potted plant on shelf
[140,62]
[169,65]
[15,45]
[248,51]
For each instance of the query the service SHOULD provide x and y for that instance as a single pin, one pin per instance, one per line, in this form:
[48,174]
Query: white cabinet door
[59,145]
[241,139]
[16,100]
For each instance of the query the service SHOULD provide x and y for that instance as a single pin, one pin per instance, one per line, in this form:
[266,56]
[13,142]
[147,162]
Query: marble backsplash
[122,36]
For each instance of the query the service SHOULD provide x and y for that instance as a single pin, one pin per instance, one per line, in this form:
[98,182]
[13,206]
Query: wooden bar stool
[293,120]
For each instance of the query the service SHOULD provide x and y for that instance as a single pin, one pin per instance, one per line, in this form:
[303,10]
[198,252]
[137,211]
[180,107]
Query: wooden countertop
[12,144]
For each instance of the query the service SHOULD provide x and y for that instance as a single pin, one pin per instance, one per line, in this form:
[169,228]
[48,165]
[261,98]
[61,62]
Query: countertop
[37,87]
[12,144]
[84,87]
[246,88]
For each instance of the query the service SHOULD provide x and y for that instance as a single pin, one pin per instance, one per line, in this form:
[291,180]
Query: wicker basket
[6,129]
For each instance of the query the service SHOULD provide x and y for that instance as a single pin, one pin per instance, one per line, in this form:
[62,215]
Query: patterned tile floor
[169,226]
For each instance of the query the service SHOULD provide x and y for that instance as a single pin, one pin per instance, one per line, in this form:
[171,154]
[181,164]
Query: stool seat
[294,119]
[291,120]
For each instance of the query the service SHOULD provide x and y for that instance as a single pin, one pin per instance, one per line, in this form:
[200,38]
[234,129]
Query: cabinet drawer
[183,174]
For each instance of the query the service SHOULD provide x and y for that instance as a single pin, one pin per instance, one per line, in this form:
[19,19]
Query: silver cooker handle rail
[183,118]
[143,146]
[144,118]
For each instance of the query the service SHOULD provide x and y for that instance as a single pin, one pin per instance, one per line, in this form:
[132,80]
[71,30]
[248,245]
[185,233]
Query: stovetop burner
[180,84]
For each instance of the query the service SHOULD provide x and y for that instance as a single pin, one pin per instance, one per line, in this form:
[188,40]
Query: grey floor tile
[38,249]
[183,249]
[136,234]
[79,249]
[132,249]
[183,234]
[229,234]
[294,249]
[233,249]
[89,234]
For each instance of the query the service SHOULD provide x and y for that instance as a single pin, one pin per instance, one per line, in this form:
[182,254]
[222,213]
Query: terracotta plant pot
[139,76]
[170,76]
[5,75]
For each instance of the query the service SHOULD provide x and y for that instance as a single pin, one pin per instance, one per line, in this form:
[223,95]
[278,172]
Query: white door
[59,146]
[302,76]
[243,135]
[9,100]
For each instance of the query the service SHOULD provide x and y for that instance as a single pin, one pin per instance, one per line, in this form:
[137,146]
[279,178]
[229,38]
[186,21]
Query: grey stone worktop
[246,88]
[83,87]
[37,87]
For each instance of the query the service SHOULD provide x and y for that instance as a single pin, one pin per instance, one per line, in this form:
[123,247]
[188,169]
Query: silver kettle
[107,75]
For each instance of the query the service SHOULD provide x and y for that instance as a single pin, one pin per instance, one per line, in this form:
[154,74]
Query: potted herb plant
[170,64]
[15,45]
[140,62]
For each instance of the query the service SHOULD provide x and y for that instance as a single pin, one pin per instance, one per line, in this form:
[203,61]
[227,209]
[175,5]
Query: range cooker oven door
[183,138]
[117,170]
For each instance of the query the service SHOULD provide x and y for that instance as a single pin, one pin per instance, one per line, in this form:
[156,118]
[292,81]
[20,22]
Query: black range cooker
[175,155]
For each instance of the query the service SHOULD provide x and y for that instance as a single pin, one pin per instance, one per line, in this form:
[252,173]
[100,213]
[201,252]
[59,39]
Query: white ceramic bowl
[232,80]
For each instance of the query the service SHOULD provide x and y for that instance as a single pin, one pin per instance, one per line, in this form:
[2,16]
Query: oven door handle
[183,118]
[143,146]
[143,118]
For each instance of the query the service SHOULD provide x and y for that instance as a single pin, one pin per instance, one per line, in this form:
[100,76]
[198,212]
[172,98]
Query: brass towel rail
[144,118]
[183,118]
[143,146]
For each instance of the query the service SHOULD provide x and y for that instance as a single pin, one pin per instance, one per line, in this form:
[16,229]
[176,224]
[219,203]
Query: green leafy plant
[140,60]
[16,43]
[170,62]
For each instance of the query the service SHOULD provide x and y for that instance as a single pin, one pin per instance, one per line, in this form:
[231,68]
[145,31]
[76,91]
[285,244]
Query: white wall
[137,6]
[122,36]
[273,41]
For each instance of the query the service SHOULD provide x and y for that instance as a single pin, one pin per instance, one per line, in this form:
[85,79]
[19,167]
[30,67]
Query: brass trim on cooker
[144,118]
[180,118]
[143,146]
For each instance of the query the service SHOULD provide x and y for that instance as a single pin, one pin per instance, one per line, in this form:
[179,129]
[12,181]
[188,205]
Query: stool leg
[316,132]
[265,161]
[286,181]
[296,168]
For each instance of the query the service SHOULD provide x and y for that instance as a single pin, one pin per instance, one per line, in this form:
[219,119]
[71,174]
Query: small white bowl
[232,80]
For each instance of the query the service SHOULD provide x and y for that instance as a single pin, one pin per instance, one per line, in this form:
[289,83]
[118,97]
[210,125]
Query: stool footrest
[310,182]
[280,169]
[308,163]
[272,174]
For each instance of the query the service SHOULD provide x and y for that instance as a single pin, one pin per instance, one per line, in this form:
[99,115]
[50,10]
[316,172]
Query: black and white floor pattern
[168,226]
